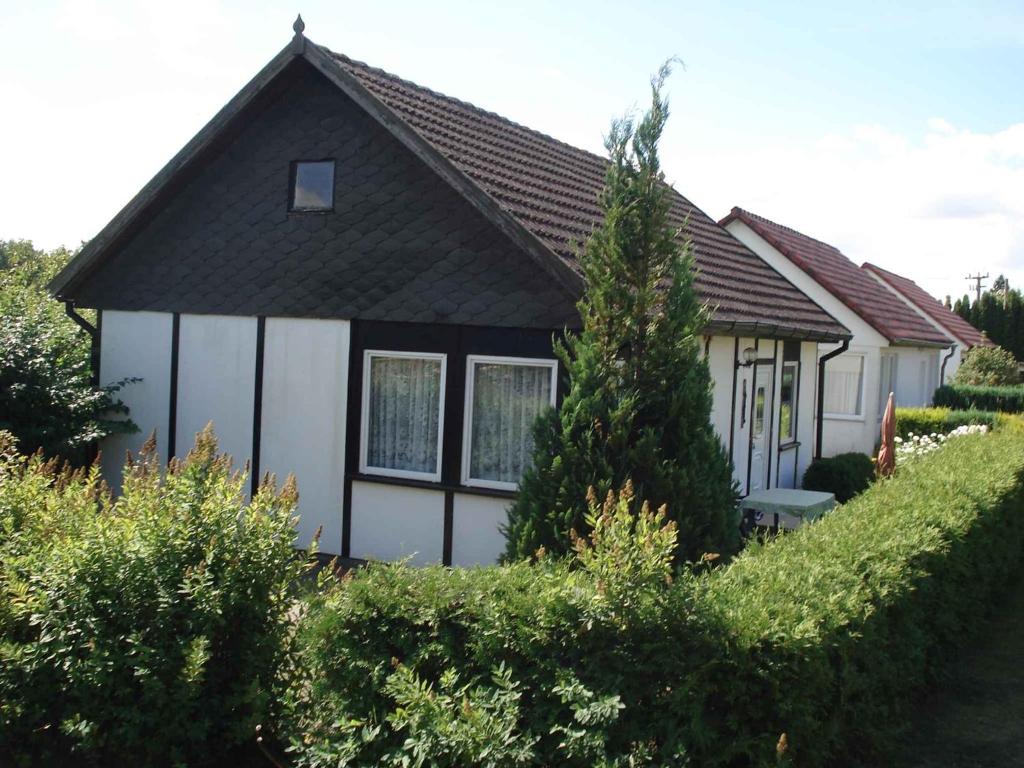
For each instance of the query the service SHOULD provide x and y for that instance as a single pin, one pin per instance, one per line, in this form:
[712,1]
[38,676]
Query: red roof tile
[552,190]
[877,306]
[955,325]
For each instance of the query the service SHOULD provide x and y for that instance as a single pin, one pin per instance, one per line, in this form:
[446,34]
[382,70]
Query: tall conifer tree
[639,400]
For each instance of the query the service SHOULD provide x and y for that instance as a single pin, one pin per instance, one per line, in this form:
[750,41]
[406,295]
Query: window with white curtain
[504,397]
[402,414]
[844,385]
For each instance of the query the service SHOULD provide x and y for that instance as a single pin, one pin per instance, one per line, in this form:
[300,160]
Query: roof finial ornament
[299,41]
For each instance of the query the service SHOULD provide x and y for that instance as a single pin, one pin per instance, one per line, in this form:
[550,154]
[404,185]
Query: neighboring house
[935,312]
[894,349]
[358,280]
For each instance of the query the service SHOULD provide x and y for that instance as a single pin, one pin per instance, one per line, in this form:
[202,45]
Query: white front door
[760,410]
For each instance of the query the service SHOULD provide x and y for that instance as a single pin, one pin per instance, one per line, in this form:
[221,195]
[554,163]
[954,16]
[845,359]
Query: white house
[358,280]
[894,347]
[935,312]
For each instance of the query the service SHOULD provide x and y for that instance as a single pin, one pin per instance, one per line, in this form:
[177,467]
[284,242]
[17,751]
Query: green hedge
[147,631]
[963,397]
[925,421]
[824,635]
[834,627]
[845,475]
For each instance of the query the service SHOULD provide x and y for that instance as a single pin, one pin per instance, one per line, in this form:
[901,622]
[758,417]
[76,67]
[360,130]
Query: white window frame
[467,422]
[795,365]
[863,390]
[364,417]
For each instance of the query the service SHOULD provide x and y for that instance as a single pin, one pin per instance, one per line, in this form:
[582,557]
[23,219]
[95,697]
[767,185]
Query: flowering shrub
[919,445]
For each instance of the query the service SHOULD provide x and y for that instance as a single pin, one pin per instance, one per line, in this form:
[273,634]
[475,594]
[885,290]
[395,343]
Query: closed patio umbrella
[887,452]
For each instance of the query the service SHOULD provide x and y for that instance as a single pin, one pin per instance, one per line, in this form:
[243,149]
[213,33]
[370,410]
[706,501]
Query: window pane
[844,382]
[788,399]
[314,186]
[506,402]
[759,397]
[404,414]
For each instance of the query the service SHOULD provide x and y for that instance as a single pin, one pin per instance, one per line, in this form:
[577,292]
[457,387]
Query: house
[965,335]
[893,349]
[358,280]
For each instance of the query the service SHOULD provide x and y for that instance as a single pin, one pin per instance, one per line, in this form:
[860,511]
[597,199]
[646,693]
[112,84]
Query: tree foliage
[999,313]
[47,399]
[639,400]
[987,367]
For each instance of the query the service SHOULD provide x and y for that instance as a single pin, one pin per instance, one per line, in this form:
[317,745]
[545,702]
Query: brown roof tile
[952,322]
[552,190]
[853,286]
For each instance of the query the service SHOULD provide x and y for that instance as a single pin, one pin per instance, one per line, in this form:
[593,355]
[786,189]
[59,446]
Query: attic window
[312,187]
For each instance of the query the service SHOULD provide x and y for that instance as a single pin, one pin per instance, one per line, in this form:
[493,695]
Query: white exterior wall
[952,364]
[392,522]
[305,391]
[136,345]
[476,531]
[216,382]
[841,433]
[720,364]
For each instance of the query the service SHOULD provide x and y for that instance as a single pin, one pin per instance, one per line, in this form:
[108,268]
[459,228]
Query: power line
[977,283]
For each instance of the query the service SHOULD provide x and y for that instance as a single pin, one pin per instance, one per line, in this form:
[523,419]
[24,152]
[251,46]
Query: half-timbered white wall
[305,392]
[303,417]
[216,382]
[392,522]
[136,345]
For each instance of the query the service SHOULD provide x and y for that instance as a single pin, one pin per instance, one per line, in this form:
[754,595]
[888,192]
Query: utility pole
[977,284]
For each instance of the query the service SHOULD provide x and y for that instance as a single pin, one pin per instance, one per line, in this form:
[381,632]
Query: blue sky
[895,134]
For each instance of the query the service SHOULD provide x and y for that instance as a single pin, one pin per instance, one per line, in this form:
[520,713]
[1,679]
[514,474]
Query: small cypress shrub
[845,475]
[639,400]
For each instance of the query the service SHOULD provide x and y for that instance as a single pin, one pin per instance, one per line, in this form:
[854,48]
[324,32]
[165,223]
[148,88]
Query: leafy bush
[987,367]
[965,398]
[806,650]
[926,421]
[522,664]
[845,475]
[143,631]
[47,399]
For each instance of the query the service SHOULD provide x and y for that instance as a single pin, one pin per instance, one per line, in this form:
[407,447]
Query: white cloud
[932,208]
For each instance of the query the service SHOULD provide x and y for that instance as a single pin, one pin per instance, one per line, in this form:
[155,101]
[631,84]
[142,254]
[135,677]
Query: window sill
[429,486]
[789,446]
[842,417]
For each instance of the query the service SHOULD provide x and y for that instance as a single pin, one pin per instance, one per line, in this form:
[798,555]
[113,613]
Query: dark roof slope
[877,306]
[935,309]
[552,189]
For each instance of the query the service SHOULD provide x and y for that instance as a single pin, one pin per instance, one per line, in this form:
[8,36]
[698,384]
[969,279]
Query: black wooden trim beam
[732,411]
[172,404]
[449,525]
[750,419]
[257,406]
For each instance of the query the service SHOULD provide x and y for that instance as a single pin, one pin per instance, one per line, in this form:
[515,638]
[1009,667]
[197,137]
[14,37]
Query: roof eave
[774,331]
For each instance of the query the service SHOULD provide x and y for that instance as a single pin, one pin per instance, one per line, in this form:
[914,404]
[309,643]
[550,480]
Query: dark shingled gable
[875,304]
[552,189]
[954,324]
[398,246]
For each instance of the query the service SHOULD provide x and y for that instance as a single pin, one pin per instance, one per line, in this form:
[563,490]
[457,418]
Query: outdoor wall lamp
[749,356]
